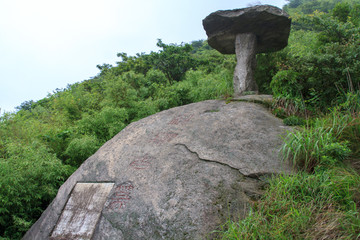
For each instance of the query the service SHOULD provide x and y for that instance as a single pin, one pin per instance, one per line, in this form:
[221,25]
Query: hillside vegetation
[317,87]
[315,82]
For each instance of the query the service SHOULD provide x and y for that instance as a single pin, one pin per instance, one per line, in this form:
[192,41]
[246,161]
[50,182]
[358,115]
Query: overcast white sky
[47,44]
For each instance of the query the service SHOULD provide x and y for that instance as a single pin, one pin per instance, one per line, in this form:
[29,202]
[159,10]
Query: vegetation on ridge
[315,82]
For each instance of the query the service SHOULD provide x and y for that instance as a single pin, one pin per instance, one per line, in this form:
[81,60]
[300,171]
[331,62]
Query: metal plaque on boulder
[82,211]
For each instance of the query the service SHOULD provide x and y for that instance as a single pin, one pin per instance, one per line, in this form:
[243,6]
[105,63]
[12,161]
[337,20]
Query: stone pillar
[245,49]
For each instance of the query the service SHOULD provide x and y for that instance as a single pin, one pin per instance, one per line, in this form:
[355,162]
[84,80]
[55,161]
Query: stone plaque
[82,211]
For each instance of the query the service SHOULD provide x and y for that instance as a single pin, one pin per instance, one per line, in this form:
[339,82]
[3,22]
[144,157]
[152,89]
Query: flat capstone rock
[270,24]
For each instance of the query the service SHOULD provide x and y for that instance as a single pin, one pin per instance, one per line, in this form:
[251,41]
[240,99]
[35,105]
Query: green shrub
[350,103]
[173,60]
[104,124]
[286,83]
[68,105]
[286,106]
[80,149]
[266,68]
[136,80]
[156,76]
[335,151]
[303,148]
[350,106]
[303,206]
[294,121]
[57,140]
[306,148]
[321,61]
[29,180]
[119,93]
[209,86]
[144,108]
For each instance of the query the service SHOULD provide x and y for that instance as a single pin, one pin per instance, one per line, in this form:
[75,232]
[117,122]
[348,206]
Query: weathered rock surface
[246,32]
[270,25]
[177,174]
[243,81]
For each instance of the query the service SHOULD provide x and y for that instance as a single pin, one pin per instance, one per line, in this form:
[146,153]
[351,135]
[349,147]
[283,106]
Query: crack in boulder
[206,160]
[261,176]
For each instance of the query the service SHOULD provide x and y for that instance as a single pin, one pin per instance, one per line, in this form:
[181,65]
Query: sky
[48,44]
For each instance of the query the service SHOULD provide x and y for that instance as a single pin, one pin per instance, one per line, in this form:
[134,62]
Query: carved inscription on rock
[180,120]
[142,163]
[121,196]
[164,137]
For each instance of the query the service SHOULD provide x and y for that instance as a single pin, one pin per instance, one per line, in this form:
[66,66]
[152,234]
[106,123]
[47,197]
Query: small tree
[173,60]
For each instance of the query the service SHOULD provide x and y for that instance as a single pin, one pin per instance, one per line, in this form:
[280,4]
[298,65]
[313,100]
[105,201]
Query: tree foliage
[29,179]
[173,60]
[321,71]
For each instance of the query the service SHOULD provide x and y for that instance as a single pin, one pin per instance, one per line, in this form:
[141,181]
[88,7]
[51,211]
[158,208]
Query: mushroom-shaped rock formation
[246,32]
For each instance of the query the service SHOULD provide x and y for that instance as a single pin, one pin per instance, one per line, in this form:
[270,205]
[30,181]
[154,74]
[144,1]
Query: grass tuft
[321,144]
[322,199]
[303,206]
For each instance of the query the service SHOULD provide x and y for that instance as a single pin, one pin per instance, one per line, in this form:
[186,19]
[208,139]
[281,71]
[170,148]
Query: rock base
[178,174]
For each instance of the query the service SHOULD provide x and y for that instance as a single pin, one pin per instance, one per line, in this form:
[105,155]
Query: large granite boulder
[178,174]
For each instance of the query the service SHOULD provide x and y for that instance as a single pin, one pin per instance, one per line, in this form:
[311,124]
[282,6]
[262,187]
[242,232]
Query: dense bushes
[304,206]
[319,201]
[324,61]
[104,124]
[322,144]
[29,180]
[317,78]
